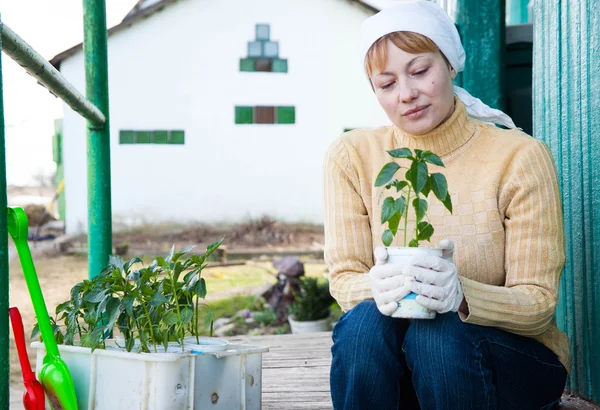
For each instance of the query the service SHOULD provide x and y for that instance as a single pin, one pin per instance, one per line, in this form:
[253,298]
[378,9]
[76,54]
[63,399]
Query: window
[263,32]
[265,115]
[271,49]
[263,53]
[152,137]
[286,115]
[263,64]
[243,115]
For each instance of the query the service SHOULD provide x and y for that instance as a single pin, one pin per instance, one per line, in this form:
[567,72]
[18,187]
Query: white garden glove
[388,283]
[439,288]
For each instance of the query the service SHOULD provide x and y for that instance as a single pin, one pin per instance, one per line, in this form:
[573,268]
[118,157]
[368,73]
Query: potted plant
[311,307]
[159,360]
[409,204]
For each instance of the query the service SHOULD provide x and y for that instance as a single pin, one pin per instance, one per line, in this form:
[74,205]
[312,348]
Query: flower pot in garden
[309,326]
[409,308]
[113,379]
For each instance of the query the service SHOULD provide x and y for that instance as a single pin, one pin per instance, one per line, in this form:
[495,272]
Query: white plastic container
[114,379]
[309,326]
[409,308]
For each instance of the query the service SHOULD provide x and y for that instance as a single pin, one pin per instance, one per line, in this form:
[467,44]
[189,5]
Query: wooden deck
[296,374]
[295,370]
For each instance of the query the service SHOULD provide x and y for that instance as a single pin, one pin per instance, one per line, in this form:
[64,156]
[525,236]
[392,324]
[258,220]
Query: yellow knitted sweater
[506,224]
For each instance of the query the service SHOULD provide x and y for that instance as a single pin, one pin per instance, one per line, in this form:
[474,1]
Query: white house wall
[179,69]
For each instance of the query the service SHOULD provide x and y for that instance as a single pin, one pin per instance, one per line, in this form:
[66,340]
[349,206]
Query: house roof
[146,8]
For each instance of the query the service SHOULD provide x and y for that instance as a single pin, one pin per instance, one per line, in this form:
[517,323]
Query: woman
[493,343]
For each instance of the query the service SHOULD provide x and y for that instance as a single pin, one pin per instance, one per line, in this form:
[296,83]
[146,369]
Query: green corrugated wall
[566,95]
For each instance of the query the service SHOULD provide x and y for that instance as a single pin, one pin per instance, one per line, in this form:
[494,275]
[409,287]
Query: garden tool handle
[19,333]
[18,230]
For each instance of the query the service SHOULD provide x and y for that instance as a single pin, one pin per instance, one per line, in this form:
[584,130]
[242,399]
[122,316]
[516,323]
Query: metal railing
[94,108]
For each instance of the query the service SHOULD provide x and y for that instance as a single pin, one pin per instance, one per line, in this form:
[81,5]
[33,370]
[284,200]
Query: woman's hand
[438,287]
[388,283]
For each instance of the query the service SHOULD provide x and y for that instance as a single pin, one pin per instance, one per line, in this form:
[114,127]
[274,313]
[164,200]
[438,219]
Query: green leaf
[128,304]
[433,159]
[413,244]
[147,291]
[170,318]
[439,185]
[394,222]
[169,257]
[426,189]
[186,315]
[113,309]
[134,276]
[210,317]
[387,237]
[420,206]
[182,252]
[448,202]
[213,247]
[386,174]
[63,307]
[400,205]
[192,282]
[419,153]
[401,153]
[158,299]
[424,231]
[115,261]
[131,262]
[391,184]
[200,289]
[388,209]
[400,185]
[198,260]
[418,175]
[95,296]
[35,333]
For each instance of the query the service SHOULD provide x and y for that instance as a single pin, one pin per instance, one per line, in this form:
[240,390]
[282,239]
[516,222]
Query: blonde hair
[407,41]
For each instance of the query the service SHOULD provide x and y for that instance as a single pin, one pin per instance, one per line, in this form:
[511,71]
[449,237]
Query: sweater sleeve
[534,249]
[348,243]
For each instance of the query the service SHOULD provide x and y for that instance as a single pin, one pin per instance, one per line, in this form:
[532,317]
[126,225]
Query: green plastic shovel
[54,374]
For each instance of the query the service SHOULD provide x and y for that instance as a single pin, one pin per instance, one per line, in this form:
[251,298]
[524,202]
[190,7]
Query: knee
[364,328]
[444,341]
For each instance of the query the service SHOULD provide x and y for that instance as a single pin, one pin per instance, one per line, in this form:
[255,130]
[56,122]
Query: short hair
[407,41]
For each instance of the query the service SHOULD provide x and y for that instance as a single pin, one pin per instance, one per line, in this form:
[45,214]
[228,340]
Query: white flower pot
[114,379]
[309,326]
[409,308]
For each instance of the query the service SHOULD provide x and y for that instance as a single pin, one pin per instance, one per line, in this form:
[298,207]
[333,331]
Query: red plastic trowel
[33,398]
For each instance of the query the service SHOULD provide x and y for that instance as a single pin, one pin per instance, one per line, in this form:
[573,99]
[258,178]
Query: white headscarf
[429,19]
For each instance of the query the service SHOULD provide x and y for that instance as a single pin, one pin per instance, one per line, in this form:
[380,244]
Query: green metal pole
[566,97]
[98,137]
[47,75]
[482,28]
[4,357]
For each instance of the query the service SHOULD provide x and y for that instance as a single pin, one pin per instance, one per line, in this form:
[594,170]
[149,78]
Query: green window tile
[143,137]
[286,115]
[126,137]
[246,64]
[280,66]
[177,137]
[243,115]
[161,137]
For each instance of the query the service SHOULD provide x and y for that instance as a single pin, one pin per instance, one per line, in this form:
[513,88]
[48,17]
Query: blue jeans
[385,363]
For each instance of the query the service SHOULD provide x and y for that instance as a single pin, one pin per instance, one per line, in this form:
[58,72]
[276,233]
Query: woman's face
[415,90]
